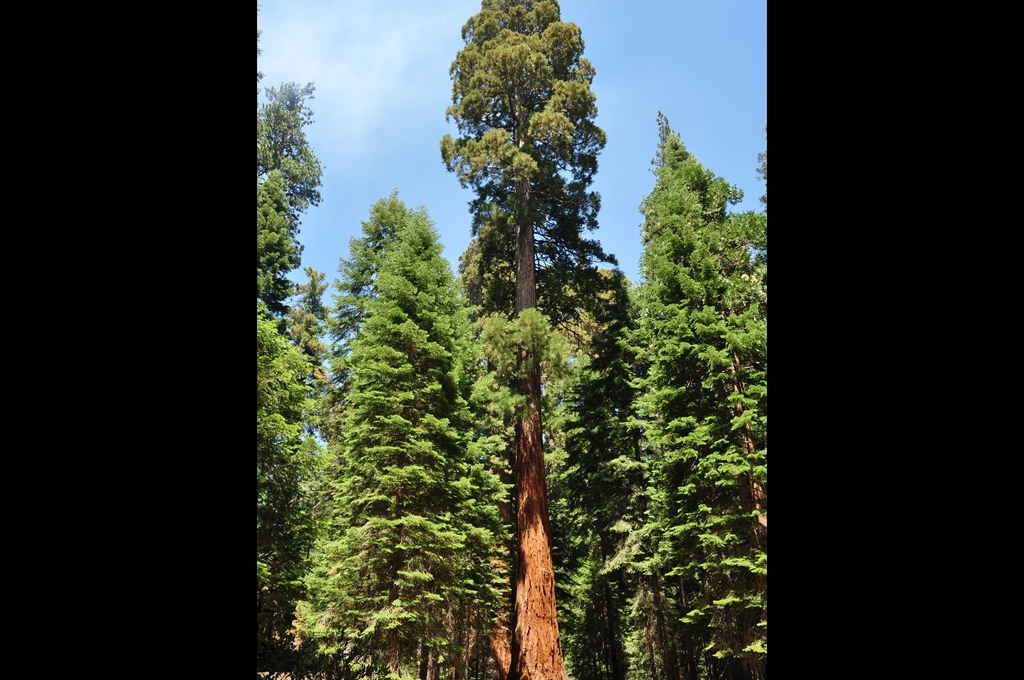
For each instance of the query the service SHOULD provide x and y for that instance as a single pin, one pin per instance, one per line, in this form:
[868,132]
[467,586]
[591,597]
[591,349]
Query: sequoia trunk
[536,648]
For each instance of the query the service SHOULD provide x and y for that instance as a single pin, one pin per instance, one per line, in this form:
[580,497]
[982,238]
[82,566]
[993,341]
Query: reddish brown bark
[526,277]
[427,664]
[501,651]
[536,647]
[752,493]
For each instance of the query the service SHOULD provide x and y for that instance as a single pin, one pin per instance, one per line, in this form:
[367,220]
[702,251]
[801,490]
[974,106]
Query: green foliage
[530,334]
[282,146]
[287,184]
[415,519]
[286,462]
[602,510]
[277,252]
[356,288]
[487,267]
[357,285]
[702,340]
[510,346]
[522,101]
[391,548]
[307,318]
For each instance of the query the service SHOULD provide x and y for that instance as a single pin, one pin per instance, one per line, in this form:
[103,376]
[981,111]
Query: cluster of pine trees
[534,470]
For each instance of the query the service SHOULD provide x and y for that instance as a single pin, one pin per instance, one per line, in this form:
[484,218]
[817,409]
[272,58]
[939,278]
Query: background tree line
[536,469]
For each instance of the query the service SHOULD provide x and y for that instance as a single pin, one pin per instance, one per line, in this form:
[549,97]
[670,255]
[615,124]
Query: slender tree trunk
[691,658]
[618,670]
[391,651]
[738,669]
[501,629]
[643,604]
[424,663]
[618,665]
[668,657]
[500,649]
[753,497]
[752,492]
[536,648]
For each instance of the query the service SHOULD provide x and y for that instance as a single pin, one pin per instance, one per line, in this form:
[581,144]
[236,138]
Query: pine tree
[286,459]
[277,251]
[522,101]
[358,283]
[604,486]
[281,145]
[307,318]
[415,516]
[354,289]
[285,463]
[703,341]
[288,177]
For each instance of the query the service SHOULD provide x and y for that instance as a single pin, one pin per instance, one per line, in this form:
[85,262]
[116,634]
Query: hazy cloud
[366,59]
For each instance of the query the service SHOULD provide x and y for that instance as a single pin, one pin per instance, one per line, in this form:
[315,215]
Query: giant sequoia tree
[528,146]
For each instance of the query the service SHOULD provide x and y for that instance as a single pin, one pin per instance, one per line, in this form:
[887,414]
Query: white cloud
[366,59]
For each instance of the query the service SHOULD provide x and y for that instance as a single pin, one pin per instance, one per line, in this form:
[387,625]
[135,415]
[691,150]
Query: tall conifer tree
[285,462]
[604,486]
[703,339]
[522,101]
[287,177]
[415,512]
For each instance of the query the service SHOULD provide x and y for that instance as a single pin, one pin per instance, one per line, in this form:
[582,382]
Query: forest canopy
[527,466]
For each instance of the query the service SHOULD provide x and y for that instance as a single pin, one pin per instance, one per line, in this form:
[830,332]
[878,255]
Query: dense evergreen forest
[530,468]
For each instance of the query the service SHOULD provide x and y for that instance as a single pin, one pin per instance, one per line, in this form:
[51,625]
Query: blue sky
[382,86]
